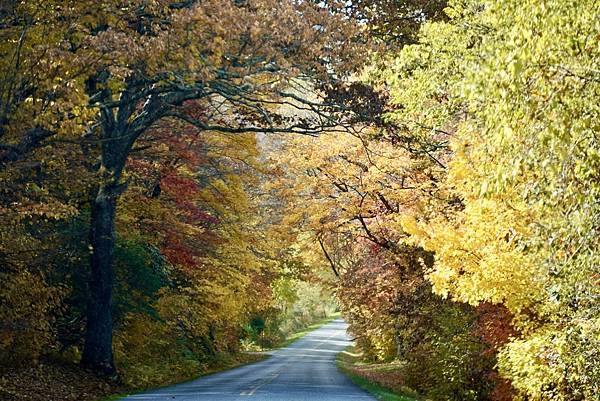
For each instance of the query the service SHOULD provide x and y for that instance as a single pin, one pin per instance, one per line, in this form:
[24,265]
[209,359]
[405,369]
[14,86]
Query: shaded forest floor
[50,381]
[383,380]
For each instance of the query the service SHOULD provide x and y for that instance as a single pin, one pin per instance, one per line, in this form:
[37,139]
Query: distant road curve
[303,371]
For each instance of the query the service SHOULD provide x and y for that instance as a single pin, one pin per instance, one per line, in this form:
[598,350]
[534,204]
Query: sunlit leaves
[523,167]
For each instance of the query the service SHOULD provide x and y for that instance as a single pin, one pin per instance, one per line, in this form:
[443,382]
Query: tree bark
[98,354]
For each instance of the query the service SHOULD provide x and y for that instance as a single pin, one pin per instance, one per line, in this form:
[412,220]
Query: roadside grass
[374,377]
[115,397]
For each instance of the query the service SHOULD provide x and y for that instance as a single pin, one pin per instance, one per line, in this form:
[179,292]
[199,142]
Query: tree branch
[328,258]
[293,129]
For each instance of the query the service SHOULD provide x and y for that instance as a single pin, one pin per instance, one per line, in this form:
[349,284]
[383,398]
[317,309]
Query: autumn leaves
[452,179]
[483,175]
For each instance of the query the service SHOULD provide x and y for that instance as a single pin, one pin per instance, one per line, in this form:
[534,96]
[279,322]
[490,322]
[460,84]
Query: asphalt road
[304,371]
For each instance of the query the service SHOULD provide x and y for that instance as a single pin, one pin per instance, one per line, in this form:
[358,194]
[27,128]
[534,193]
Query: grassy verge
[381,380]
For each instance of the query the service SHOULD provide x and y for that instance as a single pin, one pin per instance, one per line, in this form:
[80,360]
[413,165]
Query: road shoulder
[378,379]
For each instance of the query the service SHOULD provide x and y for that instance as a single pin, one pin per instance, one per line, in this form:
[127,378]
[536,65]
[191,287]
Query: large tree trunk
[97,354]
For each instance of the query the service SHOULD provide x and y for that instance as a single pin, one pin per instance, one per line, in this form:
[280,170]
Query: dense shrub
[149,353]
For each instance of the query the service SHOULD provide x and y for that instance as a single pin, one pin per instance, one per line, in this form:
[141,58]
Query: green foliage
[311,303]
[141,273]
[296,306]
[254,329]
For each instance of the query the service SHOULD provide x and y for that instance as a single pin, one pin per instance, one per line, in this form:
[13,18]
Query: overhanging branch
[292,129]
[328,258]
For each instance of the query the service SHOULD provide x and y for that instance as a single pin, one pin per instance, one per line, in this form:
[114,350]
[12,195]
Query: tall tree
[112,71]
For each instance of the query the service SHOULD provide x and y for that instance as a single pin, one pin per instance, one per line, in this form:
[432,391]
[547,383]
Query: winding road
[303,371]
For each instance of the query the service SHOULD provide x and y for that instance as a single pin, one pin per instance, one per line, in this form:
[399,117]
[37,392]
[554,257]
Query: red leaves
[178,253]
[199,216]
[178,186]
[494,325]
[166,172]
[195,110]
[503,390]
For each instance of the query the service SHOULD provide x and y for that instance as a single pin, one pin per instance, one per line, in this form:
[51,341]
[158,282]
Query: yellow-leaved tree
[526,168]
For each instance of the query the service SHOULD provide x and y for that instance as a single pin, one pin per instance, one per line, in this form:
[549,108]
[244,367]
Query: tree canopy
[178,178]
